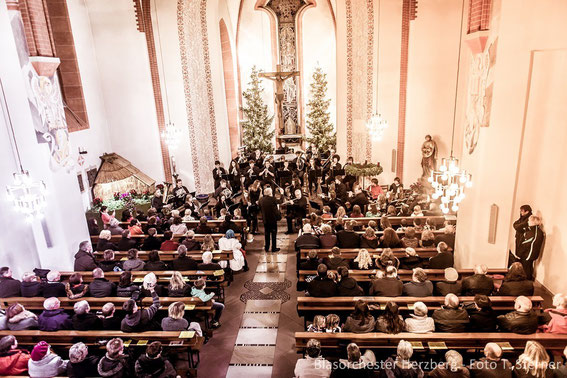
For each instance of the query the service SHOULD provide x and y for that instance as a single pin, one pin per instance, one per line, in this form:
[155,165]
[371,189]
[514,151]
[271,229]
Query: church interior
[283,188]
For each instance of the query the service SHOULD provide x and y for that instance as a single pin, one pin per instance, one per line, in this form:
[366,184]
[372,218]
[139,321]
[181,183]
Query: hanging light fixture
[450,181]
[171,136]
[376,124]
[26,194]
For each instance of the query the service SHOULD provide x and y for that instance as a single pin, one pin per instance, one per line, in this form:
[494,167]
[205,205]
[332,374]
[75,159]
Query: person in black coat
[450,284]
[9,287]
[270,216]
[110,319]
[515,283]
[450,317]
[228,224]
[103,244]
[530,245]
[521,224]
[312,261]
[522,320]
[347,238]
[108,264]
[151,242]
[347,286]
[208,263]
[411,260]
[81,364]
[53,287]
[154,263]
[183,262]
[126,243]
[101,287]
[478,283]
[482,316]
[388,286]
[31,286]
[443,259]
[84,258]
[84,320]
[448,237]
[322,286]
[190,243]
[307,240]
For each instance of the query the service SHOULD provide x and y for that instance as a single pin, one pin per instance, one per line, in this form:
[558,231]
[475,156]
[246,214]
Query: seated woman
[401,366]
[133,263]
[427,239]
[13,361]
[135,227]
[341,213]
[409,239]
[175,321]
[362,261]
[390,239]
[419,286]
[108,264]
[178,227]
[19,319]
[332,322]
[386,259]
[516,282]
[154,263]
[75,288]
[230,243]
[327,239]
[385,223]
[208,244]
[391,211]
[357,364]
[319,324]
[360,321]
[177,286]
[533,362]
[347,286]
[417,211]
[390,321]
[369,239]
[411,260]
[125,286]
[104,241]
[482,316]
[419,322]
[558,322]
[373,211]
[356,212]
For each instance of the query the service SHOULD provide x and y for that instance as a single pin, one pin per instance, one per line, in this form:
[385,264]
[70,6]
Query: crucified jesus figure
[279,77]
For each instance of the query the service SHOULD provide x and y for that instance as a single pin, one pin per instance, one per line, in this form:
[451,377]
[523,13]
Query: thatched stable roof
[115,168]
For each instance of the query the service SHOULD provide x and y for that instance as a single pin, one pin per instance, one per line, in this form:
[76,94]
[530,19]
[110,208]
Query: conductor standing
[270,215]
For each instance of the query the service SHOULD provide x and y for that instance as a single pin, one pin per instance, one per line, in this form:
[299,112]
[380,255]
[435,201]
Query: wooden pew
[396,221]
[405,275]
[162,276]
[99,338]
[351,253]
[213,223]
[378,340]
[218,255]
[36,303]
[140,238]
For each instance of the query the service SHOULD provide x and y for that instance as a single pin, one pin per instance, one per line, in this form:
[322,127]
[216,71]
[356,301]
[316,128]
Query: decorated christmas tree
[257,123]
[318,117]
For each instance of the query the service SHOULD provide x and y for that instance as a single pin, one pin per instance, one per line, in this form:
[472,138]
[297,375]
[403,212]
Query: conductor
[270,215]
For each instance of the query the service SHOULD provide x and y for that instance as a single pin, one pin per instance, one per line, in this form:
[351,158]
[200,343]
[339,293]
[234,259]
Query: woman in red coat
[12,361]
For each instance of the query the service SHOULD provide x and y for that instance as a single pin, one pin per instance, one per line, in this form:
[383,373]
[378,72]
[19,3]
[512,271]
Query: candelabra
[27,195]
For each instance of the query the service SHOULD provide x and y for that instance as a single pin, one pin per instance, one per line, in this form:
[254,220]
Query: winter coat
[127,291]
[334,262]
[322,287]
[24,320]
[517,288]
[9,287]
[442,260]
[154,367]
[348,239]
[442,288]
[191,244]
[420,324]
[101,287]
[450,319]
[353,325]
[185,291]
[108,266]
[155,266]
[49,366]
[386,287]
[151,243]
[524,323]
[53,289]
[133,265]
[170,324]
[141,320]
[477,284]
[104,244]
[85,368]
[558,323]
[85,261]
[393,370]
[411,262]
[348,287]
[113,368]
[86,322]
[15,362]
[184,263]
[54,320]
[418,289]
[31,289]
[485,368]
[481,320]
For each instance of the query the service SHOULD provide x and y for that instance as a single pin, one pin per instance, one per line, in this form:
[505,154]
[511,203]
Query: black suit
[348,239]
[442,260]
[217,175]
[269,209]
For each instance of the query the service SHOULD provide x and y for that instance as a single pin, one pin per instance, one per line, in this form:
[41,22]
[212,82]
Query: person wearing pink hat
[44,363]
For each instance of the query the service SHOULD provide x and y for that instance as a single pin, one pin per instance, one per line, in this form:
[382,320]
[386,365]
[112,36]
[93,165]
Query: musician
[349,180]
[252,172]
[217,173]
[299,163]
[359,198]
[331,168]
[241,158]
[223,189]
[312,170]
[180,192]
[375,189]
[396,186]
[340,189]
[258,158]
[254,191]
[234,175]
[296,209]
[222,203]
[285,179]
[268,174]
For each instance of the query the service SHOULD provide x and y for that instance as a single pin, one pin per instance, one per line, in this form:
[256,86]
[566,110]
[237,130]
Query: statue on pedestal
[429,156]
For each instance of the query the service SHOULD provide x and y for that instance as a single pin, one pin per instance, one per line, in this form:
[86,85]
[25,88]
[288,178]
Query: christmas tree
[257,124]
[318,117]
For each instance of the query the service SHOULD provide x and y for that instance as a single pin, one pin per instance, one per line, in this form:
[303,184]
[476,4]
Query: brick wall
[479,15]
[37,28]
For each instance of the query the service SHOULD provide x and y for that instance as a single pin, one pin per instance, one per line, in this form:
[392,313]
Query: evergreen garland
[257,132]
[318,117]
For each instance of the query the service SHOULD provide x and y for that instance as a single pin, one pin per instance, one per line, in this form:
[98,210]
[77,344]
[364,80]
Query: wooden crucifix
[279,77]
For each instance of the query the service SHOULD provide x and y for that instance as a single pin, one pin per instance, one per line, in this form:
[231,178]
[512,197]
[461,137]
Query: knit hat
[451,274]
[39,351]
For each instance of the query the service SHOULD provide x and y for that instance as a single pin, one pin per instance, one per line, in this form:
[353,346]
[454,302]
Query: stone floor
[256,337]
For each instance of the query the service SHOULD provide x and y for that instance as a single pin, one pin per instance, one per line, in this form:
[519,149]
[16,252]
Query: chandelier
[27,195]
[450,181]
[171,135]
[377,125]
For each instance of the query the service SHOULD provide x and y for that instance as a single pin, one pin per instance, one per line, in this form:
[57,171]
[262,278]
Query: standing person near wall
[521,225]
[530,245]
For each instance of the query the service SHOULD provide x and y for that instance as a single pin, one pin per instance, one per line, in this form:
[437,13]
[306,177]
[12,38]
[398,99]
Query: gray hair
[523,304]
[307,228]
[405,350]
[420,309]
[454,360]
[98,273]
[113,222]
[480,269]
[207,257]
[81,307]
[105,234]
[51,303]
[53,275]
[492,351]
[78,353]
[268,191]
[451,300]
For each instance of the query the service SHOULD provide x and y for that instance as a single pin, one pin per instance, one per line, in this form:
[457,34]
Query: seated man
[190,243]
[307,239]
[450,284]
[114,363]
[183,262]
[126,242]
[452,367]
[492,364]
[151,242]
[322,286]
[53,318]
[478,283]
[522,320]
[101,287]
[419,286]
[356,365]
[9,287]
[110,320]
[334,260]
[443,259]
[54,287]
[347,286]
[450,317]
[313,365]
[137,320]
[388,286]
[152,364]
[448,236]
[402,366]
[84,320]
[208,263]
[347,238]
[419,322]
[312,261]
[202,228]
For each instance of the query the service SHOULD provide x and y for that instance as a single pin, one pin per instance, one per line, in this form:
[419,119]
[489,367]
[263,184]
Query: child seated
[198,291]
[333,322]
[318,324]
[326,213]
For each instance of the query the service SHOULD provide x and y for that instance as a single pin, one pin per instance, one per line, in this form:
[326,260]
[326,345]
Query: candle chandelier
[26,194]
[171,136]
[450,181]
[377,125]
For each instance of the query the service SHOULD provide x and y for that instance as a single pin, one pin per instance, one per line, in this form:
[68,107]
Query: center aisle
[257,334]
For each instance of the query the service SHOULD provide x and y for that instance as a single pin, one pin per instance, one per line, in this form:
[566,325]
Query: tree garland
[368,169]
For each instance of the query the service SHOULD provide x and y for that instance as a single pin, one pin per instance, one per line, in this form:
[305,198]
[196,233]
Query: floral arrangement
[126,200]
[97,202]
[366,169]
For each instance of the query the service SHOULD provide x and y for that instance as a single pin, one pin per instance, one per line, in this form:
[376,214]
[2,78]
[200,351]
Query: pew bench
[351,253]
[213,223]
[140,238]
[218,255]
[188,341]
[431,341]
[396,221]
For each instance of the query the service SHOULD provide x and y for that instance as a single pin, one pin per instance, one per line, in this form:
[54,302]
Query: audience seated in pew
[109,264]
[183,262]
[516,283]
[75,288]
[533,362]
[451,317]
[327,239]
[492,364]
[362,261]
[125,286]
[81,363]
[411,260]
[84,319]
[110,320]
[203,228]
[190,243]
[452,367]
[18,318]
[451,283]
[481,315]
[230,243]
[419,322]
[114,227]
[154,263]
[307,239]
[387,285]
[390,239]
[319,324]
[409,239]
[45,363]
[54,287]
[558,315]
[168,244]
[360,321]
[140,320]
[311,263]
[100,287]
[152,241]
[401,365]
[313,365]
[419,286]
[208,263]
[152,364]
[178,227]
[54,318]
[198,291]
[31,285]
[103,243]
[390,321]
[84,258]
[478,283]
[13,361]
[322,285]
[348,238]
[443,259]
[347,286]
[356,364]
[387,259]
[133,263]
[522,320]
[369,239]
[175,321]
[334,260]
[448,236]
[177,286]
[115,363]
